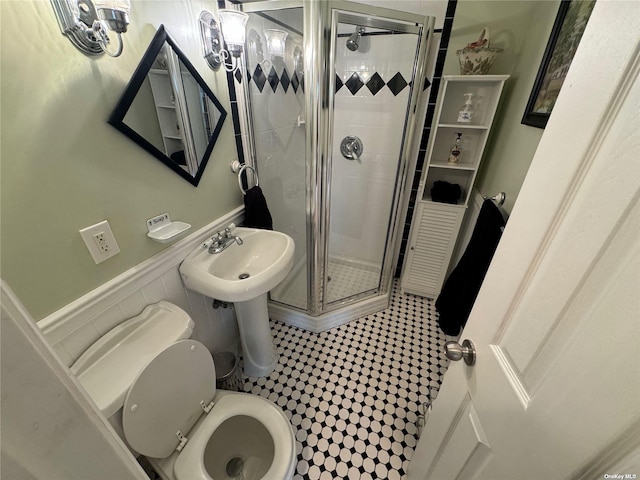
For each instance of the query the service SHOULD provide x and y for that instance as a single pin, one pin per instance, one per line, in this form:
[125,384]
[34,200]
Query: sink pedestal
[243,272]
[258,353]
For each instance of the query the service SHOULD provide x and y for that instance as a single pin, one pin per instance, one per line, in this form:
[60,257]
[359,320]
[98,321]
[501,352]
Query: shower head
[354,40]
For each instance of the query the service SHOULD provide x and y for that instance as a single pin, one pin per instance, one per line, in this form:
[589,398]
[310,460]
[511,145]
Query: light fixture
[275,42]
[85,23]
[232,31]
[210,36]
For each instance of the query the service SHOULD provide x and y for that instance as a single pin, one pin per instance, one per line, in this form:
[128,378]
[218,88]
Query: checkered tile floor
[354,393]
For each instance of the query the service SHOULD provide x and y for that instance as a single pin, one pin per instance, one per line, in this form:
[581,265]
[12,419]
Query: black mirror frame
[126,100]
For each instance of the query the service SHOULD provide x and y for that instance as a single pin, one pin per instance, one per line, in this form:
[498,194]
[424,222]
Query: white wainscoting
[73,328]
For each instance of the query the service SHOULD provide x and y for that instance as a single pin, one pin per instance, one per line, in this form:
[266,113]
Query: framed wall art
[567,31]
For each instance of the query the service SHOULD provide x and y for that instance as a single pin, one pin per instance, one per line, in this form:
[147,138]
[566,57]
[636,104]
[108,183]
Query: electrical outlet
[100,241]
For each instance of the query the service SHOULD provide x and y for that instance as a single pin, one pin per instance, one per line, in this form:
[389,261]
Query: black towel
[256,212]
[459,293]
[445,192]
[178,157]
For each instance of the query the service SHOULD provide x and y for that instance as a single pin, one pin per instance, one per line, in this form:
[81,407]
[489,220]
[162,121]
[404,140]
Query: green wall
[522,28]
[64,168]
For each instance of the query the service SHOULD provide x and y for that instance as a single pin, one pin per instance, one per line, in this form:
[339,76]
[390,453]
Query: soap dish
[163,230]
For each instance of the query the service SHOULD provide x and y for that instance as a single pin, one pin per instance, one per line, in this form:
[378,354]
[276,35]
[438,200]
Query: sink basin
[240,272]
[243,274]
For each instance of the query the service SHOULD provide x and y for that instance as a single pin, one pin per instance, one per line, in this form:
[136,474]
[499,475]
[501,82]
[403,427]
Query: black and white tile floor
[354,393]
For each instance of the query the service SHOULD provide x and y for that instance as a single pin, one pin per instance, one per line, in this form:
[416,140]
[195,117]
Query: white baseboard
[331,319]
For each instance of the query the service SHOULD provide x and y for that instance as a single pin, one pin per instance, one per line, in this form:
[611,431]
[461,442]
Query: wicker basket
[477,58]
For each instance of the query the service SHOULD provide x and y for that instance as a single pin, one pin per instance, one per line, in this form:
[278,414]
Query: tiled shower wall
[370,103]
[277,100]
[441,36]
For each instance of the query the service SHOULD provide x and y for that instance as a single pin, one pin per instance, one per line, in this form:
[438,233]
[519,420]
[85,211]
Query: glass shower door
[276,96]
[374,65]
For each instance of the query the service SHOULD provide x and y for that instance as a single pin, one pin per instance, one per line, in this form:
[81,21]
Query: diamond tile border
[397,84]
[354,83]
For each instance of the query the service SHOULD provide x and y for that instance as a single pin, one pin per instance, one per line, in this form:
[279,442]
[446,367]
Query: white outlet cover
[87,235]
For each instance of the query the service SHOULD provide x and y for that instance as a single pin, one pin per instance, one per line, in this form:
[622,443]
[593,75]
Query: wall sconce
[232,31]
[85,23]
[275,42]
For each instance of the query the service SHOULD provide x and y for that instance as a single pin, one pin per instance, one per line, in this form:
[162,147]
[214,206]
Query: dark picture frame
[567,31]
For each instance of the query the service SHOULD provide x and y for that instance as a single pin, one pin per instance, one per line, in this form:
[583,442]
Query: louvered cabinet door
[433,237]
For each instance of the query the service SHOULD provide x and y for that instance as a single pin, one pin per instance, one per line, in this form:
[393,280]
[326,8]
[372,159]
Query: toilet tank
[107,368]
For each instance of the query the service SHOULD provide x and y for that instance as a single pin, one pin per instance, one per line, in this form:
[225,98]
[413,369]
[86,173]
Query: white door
[555,390]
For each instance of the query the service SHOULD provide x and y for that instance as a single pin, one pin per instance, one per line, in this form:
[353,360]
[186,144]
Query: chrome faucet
[221,241]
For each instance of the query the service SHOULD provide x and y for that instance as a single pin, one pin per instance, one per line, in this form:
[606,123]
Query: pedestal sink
[244,274]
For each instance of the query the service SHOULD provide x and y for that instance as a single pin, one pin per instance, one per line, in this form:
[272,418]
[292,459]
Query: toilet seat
[170,395]
[190,465]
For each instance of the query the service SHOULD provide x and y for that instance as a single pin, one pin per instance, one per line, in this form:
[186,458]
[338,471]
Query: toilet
[157,387]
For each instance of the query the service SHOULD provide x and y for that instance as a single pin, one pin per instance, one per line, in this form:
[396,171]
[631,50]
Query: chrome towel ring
[242,169]
[237,167]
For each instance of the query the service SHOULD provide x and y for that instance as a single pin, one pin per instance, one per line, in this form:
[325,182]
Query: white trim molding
[331,319]
[77,325]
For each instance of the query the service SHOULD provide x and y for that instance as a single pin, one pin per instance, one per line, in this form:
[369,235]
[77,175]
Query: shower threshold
[349,278]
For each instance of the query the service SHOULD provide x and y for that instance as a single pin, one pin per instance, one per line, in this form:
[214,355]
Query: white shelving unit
[435,225]
[164,98]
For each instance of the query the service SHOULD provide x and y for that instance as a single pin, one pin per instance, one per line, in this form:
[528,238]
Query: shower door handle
[467,351]
[351,147]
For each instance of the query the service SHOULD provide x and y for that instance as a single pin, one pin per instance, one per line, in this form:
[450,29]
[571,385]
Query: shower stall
[327,123]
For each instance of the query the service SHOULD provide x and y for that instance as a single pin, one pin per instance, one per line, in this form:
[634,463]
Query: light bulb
[232,24]
[276,40]
[114,12]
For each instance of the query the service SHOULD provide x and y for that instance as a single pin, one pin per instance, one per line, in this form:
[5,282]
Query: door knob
[455,352]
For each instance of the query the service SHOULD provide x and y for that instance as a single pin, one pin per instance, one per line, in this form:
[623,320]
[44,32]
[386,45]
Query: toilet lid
[165,398]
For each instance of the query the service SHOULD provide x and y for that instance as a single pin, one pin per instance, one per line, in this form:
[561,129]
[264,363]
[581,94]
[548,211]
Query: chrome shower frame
[320,18]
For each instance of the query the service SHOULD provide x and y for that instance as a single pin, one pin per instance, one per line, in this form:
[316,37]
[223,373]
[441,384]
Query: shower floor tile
[354,394]
[347,278]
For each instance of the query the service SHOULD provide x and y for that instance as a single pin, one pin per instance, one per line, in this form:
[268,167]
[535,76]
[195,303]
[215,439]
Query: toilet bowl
[158,389]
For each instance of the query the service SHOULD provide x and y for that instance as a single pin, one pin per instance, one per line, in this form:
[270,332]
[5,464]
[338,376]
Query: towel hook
[238,168]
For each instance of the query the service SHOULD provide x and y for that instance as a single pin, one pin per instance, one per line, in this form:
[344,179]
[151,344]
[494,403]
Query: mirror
[168,109]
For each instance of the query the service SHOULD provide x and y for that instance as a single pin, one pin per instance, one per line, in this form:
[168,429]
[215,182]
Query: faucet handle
[216,237]
[229,229]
